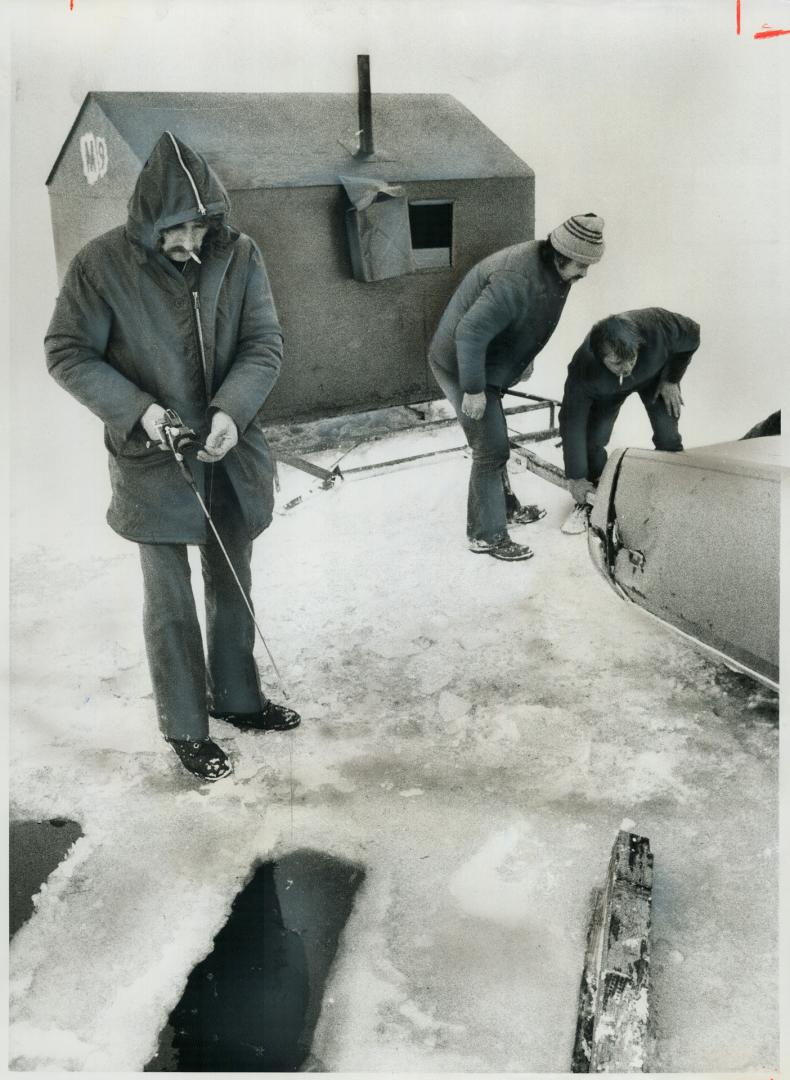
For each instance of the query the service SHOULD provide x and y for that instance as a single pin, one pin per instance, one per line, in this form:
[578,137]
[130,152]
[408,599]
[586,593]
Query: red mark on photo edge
[766,32]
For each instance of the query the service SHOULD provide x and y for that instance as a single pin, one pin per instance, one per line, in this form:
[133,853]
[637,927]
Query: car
[692,538]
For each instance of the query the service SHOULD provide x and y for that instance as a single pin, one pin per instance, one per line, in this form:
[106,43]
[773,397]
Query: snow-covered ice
[474,735]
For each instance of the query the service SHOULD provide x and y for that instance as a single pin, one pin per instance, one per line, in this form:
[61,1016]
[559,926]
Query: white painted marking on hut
[95,157]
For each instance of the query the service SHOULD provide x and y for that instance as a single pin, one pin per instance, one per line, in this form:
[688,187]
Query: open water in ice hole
[253,1003]
[35,848]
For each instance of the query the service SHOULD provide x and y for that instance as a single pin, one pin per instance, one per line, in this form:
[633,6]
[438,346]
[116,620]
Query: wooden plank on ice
[611,1030]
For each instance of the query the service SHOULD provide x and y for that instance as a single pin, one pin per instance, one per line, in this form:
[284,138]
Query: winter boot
[506,549]
[577,521]
[202,758]
[271,717]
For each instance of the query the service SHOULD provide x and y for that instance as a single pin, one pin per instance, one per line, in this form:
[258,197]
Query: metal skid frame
[525,457]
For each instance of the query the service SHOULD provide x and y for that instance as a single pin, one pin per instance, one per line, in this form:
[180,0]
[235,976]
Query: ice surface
[475,733]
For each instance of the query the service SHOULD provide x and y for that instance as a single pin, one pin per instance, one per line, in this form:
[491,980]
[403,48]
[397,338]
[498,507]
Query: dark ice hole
[35,848]
[253,1003]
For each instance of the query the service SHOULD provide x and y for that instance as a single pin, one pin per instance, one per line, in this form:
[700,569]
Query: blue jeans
[186,683]
[486,507]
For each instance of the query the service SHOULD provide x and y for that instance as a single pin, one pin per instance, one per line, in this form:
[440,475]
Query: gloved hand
[474,405]
[151,422]
[222,437]
[669,392]
[580,490]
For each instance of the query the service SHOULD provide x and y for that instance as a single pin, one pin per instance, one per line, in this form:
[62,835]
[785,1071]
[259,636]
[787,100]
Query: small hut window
[431,222]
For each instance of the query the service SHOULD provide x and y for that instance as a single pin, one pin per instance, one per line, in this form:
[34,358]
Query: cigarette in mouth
[621,377]
[192,255]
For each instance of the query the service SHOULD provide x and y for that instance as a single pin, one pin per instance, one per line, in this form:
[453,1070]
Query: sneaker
[271,717]
[202,758]
[525,515]
[507,550]
[577,521]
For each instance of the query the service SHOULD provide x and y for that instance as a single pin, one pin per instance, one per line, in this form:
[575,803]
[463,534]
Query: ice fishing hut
[361,267]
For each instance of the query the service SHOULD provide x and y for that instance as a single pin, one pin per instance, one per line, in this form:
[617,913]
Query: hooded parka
[128,331]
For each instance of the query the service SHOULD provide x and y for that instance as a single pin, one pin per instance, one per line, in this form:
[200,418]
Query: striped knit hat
[579,238]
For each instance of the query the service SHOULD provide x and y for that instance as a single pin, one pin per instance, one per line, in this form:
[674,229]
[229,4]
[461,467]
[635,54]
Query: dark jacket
[669,342]
[125,334]
[499,318]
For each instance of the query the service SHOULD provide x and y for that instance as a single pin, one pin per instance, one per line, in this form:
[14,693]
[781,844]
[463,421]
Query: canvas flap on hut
[379,232]
[359,291]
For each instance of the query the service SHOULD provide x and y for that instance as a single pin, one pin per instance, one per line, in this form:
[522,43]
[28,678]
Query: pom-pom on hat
[579,238]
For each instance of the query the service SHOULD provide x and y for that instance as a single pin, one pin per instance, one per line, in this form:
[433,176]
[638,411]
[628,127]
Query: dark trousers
[600,423]
[490,497]
[186,683]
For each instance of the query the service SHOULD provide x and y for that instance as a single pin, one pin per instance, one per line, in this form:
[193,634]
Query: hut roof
[308,140]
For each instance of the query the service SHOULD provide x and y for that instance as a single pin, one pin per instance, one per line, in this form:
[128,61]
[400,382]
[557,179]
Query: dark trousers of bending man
[644,352]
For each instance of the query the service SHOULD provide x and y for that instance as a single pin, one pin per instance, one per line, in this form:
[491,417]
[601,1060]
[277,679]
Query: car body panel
[693,538]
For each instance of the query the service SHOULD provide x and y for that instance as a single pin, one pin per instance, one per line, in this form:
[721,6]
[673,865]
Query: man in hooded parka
[174,311]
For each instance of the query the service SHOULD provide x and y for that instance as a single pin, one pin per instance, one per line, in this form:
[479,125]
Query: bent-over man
[497,321]
[645,352]
[174,311]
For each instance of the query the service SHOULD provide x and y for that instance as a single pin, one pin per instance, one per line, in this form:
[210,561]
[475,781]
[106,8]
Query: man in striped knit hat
[497,321]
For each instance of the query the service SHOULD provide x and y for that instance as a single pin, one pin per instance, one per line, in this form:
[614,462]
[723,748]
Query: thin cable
[354,446]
